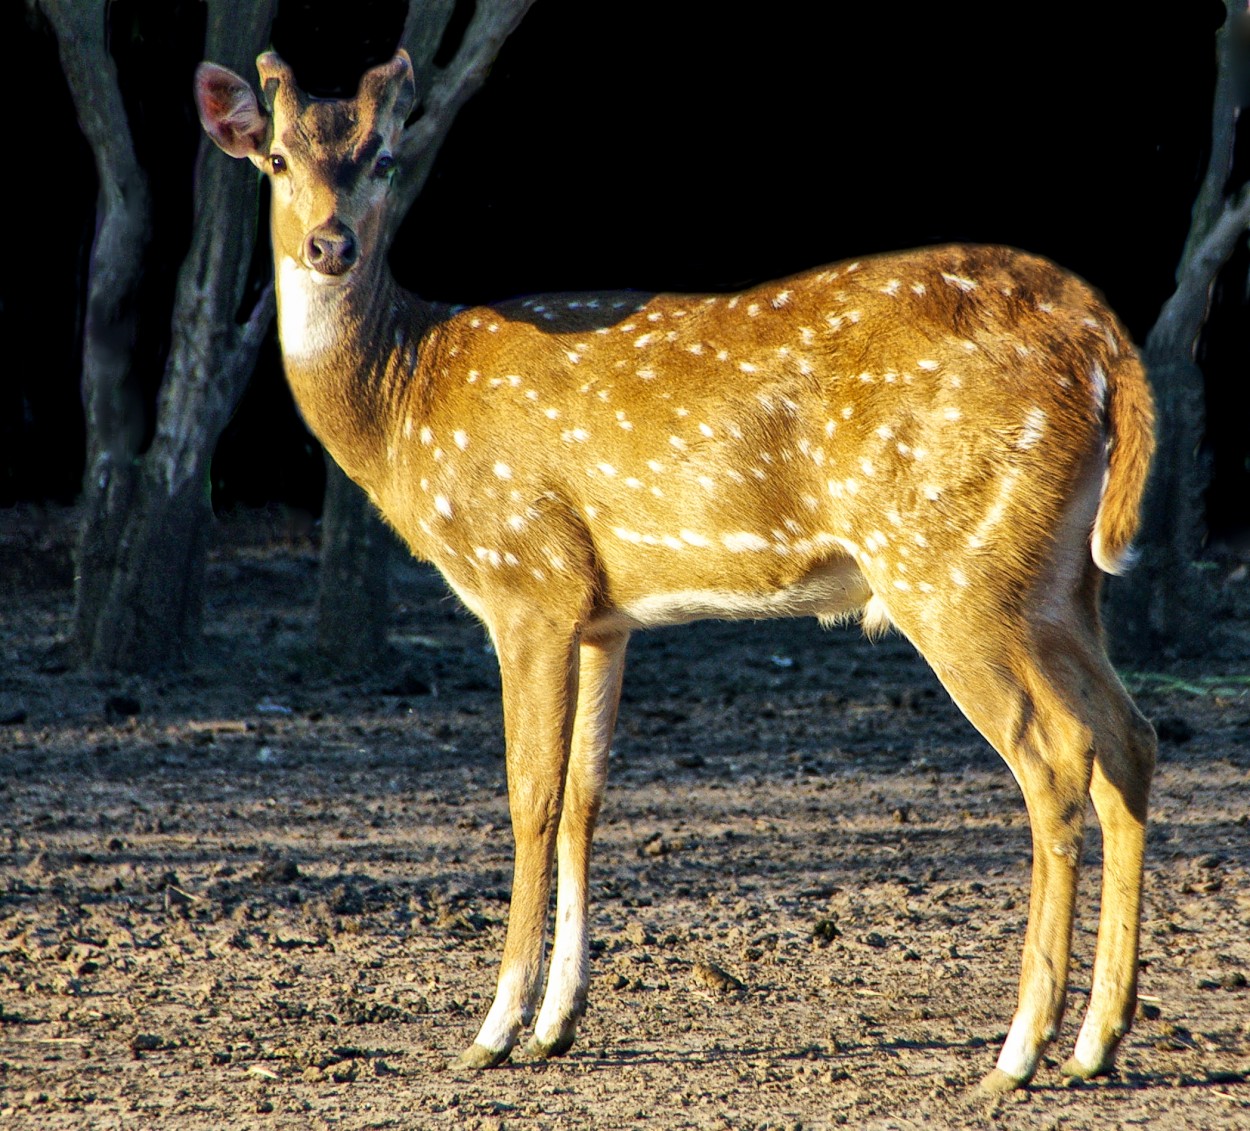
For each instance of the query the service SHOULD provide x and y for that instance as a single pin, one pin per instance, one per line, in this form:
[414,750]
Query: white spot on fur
[960,282]
[1034,427]
[743,541]
[443,505]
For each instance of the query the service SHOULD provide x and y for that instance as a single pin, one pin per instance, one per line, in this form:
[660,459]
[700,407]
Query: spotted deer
[952,442]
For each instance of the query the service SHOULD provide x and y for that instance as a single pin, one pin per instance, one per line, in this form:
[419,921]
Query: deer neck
[351,352]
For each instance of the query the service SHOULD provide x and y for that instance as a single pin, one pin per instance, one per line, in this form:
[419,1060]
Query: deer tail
[1128,424]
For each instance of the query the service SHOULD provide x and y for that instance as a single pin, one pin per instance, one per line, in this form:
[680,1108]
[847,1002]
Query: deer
[951,442]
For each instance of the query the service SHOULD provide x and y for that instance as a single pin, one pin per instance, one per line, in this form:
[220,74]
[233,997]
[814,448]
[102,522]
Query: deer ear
[229,112]
[391,86]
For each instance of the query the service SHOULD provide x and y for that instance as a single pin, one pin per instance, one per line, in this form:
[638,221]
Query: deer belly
[831,589]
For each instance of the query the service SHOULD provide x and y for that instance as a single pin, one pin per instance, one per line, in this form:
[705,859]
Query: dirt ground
[265,894]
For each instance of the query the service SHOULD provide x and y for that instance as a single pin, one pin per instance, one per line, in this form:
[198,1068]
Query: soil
[266,893]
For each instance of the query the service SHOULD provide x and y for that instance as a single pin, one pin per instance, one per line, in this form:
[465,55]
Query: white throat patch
[307,312]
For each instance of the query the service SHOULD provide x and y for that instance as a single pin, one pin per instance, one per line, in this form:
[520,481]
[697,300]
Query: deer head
[329,201]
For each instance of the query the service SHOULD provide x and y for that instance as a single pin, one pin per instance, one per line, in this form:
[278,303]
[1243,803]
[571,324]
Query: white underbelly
[830,591]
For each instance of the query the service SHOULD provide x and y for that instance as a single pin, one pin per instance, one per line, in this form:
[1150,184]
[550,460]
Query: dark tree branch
[450,89]
[1183,316]
[1233,56]
[423,33]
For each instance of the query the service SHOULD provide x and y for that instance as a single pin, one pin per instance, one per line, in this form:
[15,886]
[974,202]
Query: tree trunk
[113,405]
[1165,606]
[140,595]
[353,605]
[352,612]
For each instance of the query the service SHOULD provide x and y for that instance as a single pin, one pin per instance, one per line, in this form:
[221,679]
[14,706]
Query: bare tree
[142,545]
[1164,605]
[123,223]
[352,594]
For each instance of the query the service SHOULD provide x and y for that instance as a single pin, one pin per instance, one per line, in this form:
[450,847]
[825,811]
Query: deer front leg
[601,665]
[538,665]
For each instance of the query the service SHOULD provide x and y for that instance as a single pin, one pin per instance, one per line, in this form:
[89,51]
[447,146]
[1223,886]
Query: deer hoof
[1074,1072]
[998,1083]
[544,1051]
[479,1056]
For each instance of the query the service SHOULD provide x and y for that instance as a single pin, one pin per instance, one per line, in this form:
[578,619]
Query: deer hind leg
[601,667]
[538,665]
[1025,690]
[1123,766]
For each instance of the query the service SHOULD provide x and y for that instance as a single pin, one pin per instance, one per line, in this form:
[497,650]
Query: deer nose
[331,248]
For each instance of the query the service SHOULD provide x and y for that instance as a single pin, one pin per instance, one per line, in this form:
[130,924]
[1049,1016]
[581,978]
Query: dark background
[659,146]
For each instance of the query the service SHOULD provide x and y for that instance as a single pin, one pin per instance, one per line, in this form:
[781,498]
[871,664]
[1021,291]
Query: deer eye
[277,163]
[383,165]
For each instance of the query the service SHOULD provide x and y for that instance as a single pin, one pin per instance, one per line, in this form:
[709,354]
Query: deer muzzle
[331,249]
